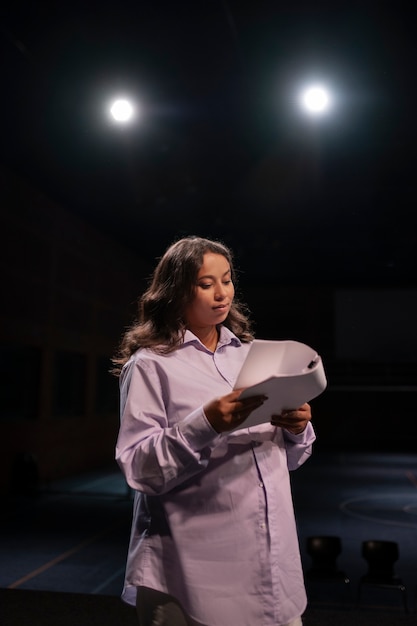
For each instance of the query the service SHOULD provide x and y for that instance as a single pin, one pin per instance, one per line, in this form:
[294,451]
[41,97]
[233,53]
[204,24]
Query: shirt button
[262,526]
[261,485]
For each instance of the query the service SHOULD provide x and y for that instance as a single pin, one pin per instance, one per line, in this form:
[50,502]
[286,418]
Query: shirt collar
[226,337]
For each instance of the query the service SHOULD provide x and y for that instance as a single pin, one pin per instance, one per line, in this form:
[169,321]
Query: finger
[247,403]
[237,392]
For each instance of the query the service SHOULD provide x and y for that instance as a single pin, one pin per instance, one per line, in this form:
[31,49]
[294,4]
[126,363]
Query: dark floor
[72,538]
[360,496]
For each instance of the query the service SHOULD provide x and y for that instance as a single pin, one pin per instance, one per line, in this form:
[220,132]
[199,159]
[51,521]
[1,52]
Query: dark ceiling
[220,148]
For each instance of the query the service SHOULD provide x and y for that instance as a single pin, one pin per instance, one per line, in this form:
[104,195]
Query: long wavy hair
[160,325]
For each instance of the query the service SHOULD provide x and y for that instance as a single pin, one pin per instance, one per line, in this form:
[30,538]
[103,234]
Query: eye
[227,282]
[205,285]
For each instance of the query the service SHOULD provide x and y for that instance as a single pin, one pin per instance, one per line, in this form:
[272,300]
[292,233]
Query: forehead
[214,264]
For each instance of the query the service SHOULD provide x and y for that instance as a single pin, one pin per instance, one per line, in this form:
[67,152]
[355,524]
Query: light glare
[316,100]
[122,111]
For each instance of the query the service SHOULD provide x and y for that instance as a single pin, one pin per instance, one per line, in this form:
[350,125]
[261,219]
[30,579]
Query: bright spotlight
[122,111]
[316,100]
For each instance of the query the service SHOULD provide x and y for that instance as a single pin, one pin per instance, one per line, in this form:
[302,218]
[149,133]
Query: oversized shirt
[213,519]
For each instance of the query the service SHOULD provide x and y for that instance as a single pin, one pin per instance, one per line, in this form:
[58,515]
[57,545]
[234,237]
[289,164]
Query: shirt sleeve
[299,447]
[155,456]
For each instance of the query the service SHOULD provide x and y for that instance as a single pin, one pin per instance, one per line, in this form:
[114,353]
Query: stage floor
[72,537]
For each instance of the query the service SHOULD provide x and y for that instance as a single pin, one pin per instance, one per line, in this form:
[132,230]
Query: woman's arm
[298,434]
[154,455]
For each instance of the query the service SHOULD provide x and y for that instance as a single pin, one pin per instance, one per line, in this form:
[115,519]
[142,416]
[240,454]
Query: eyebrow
[229,271]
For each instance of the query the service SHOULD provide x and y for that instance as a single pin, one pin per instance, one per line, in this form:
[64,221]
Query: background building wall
[368,342]
[67,294]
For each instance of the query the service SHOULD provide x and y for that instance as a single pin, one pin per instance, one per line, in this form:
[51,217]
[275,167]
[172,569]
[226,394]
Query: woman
[213,538]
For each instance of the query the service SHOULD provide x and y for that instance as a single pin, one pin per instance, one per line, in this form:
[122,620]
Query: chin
[222,318]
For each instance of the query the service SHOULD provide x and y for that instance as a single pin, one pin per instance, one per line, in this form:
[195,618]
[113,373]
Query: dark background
[321,215]
[221,147]
[320,212]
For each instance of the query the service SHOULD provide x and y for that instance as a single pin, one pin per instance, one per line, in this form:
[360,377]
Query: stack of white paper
[289,373]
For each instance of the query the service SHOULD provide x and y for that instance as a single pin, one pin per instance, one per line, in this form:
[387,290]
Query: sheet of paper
[289,373]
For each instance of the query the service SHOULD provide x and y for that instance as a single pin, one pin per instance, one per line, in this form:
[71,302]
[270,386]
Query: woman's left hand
[293,420]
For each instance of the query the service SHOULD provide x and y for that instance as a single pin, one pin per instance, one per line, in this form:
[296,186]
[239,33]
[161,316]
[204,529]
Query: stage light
[316,100]
[122,111]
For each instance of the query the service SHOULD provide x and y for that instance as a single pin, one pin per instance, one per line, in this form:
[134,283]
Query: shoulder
[144,365]
[148,358]
[143,358]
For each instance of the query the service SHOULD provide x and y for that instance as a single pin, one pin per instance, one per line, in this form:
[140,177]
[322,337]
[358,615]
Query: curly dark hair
[160,325]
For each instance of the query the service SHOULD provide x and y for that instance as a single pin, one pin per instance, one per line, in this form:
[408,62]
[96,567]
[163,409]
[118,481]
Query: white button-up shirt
[213,521]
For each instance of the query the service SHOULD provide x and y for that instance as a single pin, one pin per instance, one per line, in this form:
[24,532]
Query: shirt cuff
[197,430]
[306,436]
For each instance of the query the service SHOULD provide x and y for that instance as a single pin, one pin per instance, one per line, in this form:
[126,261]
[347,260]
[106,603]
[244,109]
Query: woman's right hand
[229,411]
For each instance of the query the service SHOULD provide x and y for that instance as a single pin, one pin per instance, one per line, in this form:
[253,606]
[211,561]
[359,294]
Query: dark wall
[367,339]
[68,293]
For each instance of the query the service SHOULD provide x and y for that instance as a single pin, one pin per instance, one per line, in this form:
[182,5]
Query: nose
[220,293]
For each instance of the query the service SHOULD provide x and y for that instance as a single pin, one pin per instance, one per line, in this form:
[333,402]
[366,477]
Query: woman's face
[214,293]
